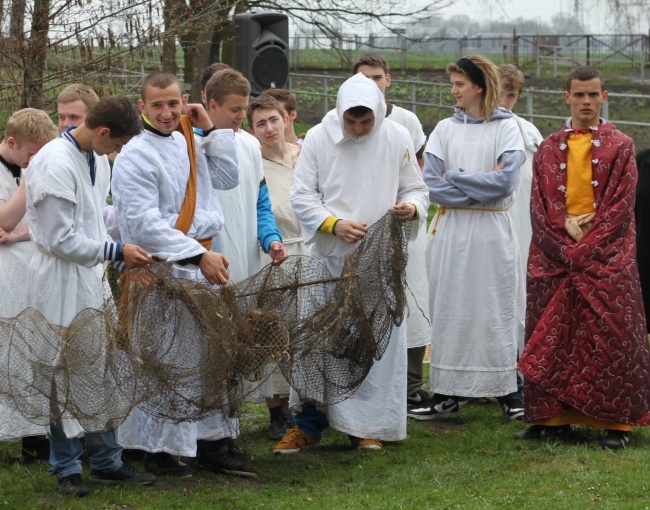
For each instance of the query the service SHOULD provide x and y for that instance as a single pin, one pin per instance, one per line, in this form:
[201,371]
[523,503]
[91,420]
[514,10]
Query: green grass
[469,463]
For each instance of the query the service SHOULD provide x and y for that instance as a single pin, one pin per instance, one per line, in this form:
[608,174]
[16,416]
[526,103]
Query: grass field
[469,463]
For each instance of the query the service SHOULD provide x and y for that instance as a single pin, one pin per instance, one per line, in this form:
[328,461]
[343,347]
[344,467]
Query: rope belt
[443,209]
[48,254]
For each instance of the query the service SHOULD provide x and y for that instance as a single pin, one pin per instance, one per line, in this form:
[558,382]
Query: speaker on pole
[261,49]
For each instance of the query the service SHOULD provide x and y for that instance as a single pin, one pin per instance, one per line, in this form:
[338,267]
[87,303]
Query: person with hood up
[477,299]
[354,166]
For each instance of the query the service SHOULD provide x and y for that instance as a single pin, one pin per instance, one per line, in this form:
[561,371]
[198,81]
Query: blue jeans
[104,453]
[311,421]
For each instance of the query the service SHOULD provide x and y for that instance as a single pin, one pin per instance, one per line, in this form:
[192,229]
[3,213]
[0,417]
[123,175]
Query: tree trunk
[173,13]
[17,19]
[228,36]
[36,55]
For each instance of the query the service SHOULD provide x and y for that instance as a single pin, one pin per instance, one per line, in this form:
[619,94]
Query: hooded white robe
[359,179]
[418,326]
[149,181]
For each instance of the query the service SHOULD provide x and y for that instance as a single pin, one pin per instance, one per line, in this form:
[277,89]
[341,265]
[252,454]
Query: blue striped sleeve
[267,230]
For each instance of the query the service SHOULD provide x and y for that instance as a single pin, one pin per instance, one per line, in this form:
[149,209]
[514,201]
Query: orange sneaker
[293,441]
[366,444]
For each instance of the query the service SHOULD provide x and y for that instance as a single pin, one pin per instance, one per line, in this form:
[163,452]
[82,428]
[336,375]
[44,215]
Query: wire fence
[543,53]
[432,102]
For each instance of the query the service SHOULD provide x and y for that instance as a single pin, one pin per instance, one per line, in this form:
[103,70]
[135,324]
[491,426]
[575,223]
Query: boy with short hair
[250,223]
[67,186]
[164,200]
[247,209]
[26,132]
[268,120]
[586,359]
[511,80]
[73,104]
[289,102]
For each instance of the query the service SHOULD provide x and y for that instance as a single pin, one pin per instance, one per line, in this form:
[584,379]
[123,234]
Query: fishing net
[182,350]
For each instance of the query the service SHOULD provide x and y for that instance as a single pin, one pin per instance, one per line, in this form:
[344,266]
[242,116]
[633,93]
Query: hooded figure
[353,167]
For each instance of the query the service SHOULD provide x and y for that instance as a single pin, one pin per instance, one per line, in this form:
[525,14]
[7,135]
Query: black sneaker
[417,398]
[163,464]
[277,429]
[438,408]
[513,408]
[125,474]
[35,448]
[227,463]
[73,484]
[543,432]
[615,439]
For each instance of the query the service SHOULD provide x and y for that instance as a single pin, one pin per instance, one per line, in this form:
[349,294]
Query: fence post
[515,48]
[588,50]
[606,110]
[555,62]
[413,92]
[538,60]
[529,106]
[403,41]
[325,98]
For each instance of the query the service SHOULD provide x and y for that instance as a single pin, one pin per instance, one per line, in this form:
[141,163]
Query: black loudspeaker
[261,49]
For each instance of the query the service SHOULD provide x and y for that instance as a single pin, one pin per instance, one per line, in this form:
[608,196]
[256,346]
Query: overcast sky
[543,9]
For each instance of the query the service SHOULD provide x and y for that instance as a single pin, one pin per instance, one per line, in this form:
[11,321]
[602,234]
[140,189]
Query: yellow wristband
[327,227]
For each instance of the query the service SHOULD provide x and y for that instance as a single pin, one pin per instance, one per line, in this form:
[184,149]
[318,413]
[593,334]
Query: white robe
[61,287]
[14,260]
[149,181]
[520,210]
[477,293]
[418,326]
[237,240]
[359,179]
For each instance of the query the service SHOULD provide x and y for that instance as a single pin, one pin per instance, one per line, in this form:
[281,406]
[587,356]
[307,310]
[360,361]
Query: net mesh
[182,350]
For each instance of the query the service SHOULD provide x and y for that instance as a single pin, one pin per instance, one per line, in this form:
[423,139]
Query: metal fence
[539,53]
[432,102]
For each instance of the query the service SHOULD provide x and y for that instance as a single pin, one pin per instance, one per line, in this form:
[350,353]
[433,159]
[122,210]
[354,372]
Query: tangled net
[182,350]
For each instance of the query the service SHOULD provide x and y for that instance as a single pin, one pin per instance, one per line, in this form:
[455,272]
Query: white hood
[355,91]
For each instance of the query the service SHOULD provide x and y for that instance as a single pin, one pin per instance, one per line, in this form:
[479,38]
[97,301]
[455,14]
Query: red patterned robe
[586,344]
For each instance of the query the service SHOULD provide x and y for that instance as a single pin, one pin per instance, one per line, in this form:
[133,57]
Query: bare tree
[52,43]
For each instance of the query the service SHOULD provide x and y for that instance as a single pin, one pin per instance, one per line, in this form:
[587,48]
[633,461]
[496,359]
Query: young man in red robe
[586,359]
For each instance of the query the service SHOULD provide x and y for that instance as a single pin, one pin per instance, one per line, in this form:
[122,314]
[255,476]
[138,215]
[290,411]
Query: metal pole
[413,92]
[325,99]
[605,111]
[529,106]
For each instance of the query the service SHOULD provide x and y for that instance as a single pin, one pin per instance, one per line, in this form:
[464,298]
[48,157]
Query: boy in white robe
[512,84]
[249,220]
[26,132]
[73,104]
[67,187]
[353,167]
[418,327]
[149,187]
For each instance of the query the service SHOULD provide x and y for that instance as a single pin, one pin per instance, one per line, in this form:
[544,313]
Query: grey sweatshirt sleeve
[441,191]
[489,186]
